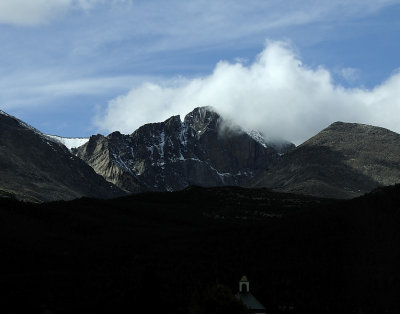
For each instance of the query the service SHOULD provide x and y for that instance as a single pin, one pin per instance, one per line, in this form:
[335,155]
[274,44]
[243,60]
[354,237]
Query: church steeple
[244,285]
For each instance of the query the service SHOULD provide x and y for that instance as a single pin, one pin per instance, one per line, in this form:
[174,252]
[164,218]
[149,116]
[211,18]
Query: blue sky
[289,68]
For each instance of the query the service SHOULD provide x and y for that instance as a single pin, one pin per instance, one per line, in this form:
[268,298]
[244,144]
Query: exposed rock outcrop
[172,155]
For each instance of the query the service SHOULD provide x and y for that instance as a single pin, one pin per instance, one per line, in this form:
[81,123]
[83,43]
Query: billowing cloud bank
[276,94]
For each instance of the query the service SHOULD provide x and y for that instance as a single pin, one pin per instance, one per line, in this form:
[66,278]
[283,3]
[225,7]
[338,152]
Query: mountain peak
[37,167]
[342,161]
[172,155]
[3,113]
[202,113]
[20,123]
[203,118]
[344,133]
[361,127]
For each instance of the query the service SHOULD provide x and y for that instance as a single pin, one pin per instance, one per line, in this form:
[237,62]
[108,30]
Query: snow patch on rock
[69,142]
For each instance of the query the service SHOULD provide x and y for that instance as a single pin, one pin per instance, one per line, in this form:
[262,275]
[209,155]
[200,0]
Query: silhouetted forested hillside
[161,251]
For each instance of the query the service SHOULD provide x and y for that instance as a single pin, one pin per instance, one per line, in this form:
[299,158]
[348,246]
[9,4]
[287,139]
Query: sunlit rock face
[203,149]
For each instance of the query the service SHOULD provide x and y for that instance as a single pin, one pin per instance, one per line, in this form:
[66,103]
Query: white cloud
[276,94]
[34,12]
[351,75]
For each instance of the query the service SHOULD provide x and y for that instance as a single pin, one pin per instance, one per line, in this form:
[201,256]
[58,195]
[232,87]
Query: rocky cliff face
[172,155]
[36,168]
[342,161]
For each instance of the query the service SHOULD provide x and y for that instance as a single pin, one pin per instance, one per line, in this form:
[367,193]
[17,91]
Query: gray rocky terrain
[174,154]
[344,160]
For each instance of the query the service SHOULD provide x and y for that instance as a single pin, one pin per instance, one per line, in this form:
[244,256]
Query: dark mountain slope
[172,155]
[342,161]
[35,168]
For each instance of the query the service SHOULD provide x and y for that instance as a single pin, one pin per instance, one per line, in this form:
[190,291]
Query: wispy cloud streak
[53,51]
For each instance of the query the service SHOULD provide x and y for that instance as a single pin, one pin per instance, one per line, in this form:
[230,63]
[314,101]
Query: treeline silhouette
[159,252]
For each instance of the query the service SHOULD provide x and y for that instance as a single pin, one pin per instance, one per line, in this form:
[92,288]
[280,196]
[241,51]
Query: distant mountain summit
[171,155]
[342,161]
[36,167]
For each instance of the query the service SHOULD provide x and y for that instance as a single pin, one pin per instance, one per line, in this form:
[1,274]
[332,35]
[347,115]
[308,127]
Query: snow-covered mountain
[171,155]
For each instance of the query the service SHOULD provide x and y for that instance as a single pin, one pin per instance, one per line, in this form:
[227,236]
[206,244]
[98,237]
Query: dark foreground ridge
[163,252]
